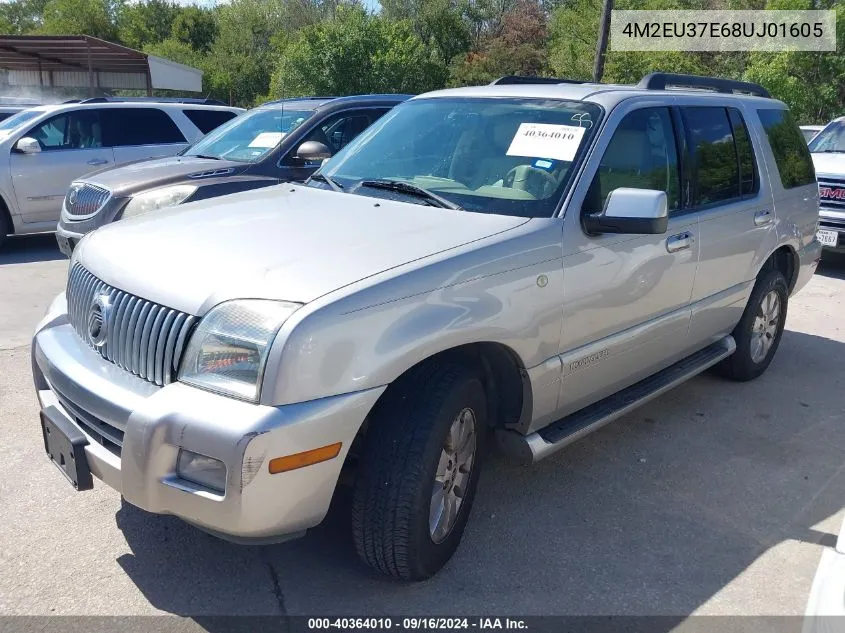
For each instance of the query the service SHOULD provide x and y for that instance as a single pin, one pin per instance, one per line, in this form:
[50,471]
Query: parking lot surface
[716,498]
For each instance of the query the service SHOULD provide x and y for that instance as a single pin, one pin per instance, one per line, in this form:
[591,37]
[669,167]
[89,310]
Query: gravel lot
[717,498]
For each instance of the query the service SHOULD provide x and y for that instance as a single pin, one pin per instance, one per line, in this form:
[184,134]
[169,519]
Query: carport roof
[68,52]
[74,60]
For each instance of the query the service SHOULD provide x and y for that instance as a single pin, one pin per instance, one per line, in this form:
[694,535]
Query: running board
[550,439]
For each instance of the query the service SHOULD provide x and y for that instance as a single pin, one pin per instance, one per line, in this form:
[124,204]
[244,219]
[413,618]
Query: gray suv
[280,141]
[528,261]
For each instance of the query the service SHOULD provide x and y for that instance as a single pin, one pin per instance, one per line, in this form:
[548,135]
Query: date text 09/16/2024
[418,623]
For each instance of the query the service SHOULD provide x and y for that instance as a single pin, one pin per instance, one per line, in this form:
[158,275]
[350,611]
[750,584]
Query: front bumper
[71,230]
[135,430]
[833,220]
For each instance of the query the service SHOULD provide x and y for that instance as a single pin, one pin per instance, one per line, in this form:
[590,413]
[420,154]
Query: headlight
[229,348]
[157,199]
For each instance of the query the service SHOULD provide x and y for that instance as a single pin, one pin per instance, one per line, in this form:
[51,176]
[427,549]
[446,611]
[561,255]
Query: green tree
[147,22]
[243,54]
[811,83]
[355,53]
[21,16]
[519,47]
[196,27]
[96,18]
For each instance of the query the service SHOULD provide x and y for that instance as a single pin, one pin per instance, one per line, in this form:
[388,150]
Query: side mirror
[627,210]
[313,151]
[28,145]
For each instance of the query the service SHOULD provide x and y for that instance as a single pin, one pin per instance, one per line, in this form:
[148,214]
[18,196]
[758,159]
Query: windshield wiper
[831,151]
[413,190]
[323,178]
[204,156]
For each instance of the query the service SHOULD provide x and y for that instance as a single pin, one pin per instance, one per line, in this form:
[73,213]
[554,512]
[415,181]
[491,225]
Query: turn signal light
[300,460]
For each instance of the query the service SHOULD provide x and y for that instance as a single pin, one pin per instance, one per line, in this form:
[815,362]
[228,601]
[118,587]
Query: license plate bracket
[827,238]
[65,445]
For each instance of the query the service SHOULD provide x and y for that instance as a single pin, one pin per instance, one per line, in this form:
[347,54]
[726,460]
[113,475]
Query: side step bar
[550,439]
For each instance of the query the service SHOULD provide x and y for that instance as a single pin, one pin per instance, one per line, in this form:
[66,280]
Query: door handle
[762,217]
[97,161]
[679,242]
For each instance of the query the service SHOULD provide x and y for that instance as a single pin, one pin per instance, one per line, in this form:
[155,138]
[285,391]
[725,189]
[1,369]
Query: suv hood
[285,242]
[829,164]
[143,175]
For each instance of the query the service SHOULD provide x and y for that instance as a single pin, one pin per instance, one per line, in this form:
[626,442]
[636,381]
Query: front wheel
[419,471]
[758,333]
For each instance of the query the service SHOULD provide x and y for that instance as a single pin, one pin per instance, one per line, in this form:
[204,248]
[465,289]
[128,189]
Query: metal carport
[80,61]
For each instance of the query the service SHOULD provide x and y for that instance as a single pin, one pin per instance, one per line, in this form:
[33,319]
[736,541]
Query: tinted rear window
[711,141]
[789,147]
[140,126]
[749,182]
[207,120]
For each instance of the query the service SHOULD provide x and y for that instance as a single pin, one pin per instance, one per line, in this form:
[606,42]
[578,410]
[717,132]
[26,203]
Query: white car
[44,149]
[809,131]
[828,151]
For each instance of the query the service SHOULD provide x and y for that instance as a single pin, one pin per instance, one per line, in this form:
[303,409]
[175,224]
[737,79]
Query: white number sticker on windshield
[267,139]
[544,140]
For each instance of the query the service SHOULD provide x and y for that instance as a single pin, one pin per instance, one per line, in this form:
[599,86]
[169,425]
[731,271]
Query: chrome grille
[83,199]
[142,337]
[835,190]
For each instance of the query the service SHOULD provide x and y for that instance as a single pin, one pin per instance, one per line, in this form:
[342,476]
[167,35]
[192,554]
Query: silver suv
[527,261]
[44,149]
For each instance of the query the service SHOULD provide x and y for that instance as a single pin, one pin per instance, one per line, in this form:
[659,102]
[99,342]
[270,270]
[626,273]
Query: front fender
[509,292]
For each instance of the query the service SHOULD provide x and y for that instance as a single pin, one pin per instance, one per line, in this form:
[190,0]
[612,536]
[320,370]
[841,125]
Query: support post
[601,47]
[91,89]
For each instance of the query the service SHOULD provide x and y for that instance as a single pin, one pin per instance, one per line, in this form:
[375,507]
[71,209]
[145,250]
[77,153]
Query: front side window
[508,156]
[337,131]
[641,154]
[716,168]
[792,156]
[250,136]
[71,130]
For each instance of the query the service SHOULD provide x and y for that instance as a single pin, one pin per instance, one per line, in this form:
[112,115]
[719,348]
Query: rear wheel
[5,227]
[758,333]
[419,471]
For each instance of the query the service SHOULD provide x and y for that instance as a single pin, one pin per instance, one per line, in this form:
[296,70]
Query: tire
[745,363]
[5,227]
[394,489]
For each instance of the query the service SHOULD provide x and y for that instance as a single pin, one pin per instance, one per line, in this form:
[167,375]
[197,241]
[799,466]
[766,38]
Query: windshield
[249,137]
[507,156]
[17,119]
[830,139]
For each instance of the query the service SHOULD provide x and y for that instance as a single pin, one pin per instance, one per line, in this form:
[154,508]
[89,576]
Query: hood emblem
[73,194]
[98,319]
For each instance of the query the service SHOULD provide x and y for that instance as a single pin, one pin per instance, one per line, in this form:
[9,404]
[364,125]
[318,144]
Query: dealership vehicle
[809,131]
[280,141]
[9,109]
[47,147]
[828,151]
[527,260]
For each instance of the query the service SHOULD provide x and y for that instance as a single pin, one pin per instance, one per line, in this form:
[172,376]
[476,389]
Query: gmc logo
[831,194]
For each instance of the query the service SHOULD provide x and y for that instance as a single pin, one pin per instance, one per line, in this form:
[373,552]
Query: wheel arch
[785,259]
[502,373]
[6,214]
